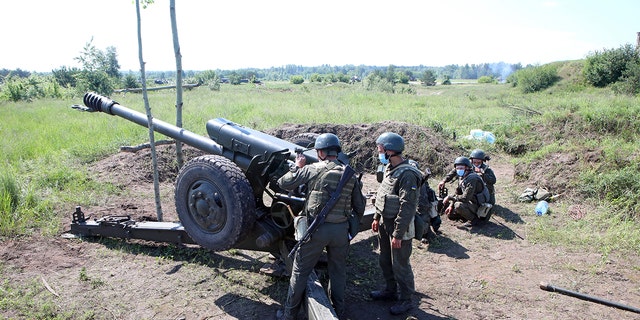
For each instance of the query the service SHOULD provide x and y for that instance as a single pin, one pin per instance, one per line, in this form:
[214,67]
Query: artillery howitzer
[220,197]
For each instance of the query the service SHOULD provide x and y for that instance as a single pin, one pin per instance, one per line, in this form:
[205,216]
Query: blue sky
[41,35]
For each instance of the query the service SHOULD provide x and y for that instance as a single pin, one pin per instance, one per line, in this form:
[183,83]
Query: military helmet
[328,141]
[391,141]
[478,154]
[462,161]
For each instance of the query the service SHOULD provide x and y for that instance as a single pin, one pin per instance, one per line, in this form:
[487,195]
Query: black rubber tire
[305,140]
[214,202]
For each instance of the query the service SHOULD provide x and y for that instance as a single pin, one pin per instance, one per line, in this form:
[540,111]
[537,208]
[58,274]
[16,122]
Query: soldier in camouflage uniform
[465,203]
[478,158]
[396,204]
[321,179]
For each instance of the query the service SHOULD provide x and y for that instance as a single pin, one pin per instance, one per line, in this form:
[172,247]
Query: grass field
[47,144]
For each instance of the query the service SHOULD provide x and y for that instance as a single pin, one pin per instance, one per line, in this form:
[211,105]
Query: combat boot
[401,307]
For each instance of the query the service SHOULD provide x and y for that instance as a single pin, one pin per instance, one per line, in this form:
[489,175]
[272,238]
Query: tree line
[100,72]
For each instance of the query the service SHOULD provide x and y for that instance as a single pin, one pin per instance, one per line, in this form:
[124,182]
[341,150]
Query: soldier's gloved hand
[301,160]
[435,223]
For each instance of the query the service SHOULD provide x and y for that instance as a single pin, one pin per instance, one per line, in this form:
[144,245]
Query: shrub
[375,82]
[487,79]
[604,68]
[129,81]
[428,78]
[315,78]
[534,79]
[296,79]
[630,82]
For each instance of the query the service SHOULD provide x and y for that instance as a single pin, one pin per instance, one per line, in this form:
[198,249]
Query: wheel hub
[206,206]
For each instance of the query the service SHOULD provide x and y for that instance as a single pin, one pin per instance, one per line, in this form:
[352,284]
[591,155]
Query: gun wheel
[214,202]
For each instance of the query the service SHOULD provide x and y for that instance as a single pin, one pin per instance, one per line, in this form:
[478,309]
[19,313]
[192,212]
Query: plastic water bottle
[489,137]
[542,207]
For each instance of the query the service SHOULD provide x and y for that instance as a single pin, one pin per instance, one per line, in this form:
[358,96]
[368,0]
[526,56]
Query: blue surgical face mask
[383,158]
[460,173]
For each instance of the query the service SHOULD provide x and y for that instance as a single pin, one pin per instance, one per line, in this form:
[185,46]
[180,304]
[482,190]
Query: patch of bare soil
[489,272]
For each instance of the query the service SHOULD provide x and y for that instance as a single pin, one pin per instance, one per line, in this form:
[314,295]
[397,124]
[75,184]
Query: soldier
[478,158]
[396,204]
[427,207]
[470,193]
[321,179]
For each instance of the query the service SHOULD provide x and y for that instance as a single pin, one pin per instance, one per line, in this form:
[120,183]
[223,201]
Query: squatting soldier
[478,158]
[470,194]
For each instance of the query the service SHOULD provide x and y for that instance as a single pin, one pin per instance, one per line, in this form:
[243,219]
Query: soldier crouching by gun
[471,195]
[333,196]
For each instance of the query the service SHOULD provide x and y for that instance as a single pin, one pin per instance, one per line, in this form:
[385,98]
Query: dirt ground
[489,272]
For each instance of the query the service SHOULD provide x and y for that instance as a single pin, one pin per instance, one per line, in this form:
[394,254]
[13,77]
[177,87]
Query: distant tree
[205,76]
[315,78]
[99,69]
[428,78]
[234,78]
[66,77]
[343,77]
[446,80]
[376,82]
[5,73]
[402,77]
[391,73]
[129,81]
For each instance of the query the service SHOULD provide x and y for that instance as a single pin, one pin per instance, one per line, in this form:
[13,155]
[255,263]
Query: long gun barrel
[95,102]
[233,141]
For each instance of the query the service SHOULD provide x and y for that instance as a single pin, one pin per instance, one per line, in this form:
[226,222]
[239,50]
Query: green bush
[604,68]
[629,84]
[428,78]
[28,89]
[315,78]
[296,79]
[129,81]
[375,82]
[487,79]
[534,79]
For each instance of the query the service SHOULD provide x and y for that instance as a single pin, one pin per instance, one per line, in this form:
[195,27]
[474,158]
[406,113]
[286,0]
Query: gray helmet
[462,161]
[391,141]
[478,154]
[328,141]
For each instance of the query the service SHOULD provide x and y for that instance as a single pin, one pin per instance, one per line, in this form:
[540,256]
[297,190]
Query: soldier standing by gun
[322,179]
[396,205]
